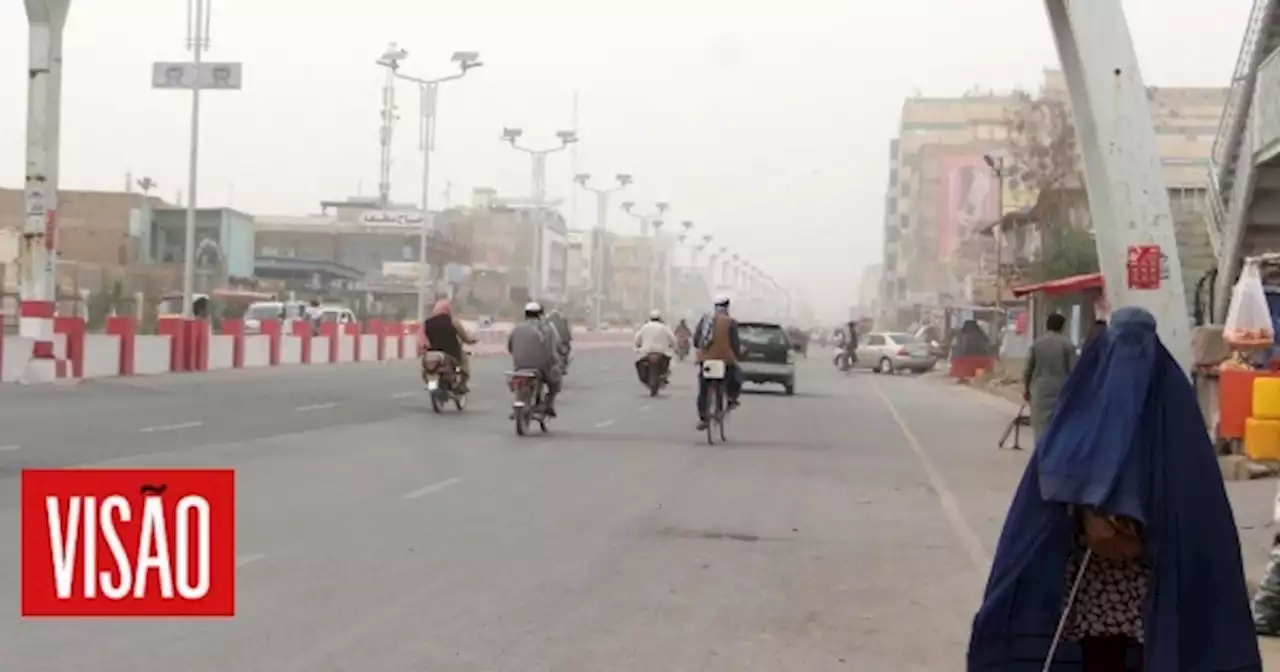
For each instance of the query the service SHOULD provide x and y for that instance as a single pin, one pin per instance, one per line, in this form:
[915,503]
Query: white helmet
[722,300]
[655,315]
[532,307]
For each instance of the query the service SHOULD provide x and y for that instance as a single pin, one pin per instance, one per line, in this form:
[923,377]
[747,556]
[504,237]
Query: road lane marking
[946,497]
[170,428]
[605,423]
[249,558]
[9,449]
[644,409]
[315,407]
[402,395]
[434,487]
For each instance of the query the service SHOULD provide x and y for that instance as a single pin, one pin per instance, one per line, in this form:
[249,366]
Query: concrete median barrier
[192,346]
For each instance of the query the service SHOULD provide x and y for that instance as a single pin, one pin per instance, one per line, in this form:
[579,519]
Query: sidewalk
[1252,503]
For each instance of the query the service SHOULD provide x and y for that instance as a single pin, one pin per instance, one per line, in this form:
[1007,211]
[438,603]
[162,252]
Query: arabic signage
[383,218]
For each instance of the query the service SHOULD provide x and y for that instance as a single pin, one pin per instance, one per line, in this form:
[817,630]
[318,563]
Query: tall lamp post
[427,90]
[598,243]
[538,192]
[996,164]
[649,219]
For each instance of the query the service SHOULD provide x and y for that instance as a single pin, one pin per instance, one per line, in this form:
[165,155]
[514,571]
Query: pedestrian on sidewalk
[1120,542]
[1050,362]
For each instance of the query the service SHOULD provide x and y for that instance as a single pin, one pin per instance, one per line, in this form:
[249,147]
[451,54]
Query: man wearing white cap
[654,338]
[532,345]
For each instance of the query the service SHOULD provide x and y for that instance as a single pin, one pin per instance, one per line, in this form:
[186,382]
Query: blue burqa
[1126,437]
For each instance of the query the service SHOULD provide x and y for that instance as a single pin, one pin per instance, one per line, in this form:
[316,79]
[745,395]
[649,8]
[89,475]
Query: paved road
[844,528]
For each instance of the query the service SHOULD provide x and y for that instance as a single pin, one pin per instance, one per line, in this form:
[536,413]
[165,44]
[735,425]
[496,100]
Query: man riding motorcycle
[683,338]
[564,334]
[847,339]
[716,338]
[442,332]
[654,338]
[532,345]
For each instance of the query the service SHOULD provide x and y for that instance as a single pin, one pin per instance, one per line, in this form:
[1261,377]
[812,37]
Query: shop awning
[1071,285]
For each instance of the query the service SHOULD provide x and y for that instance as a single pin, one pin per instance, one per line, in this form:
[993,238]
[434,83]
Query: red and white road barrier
[190,345]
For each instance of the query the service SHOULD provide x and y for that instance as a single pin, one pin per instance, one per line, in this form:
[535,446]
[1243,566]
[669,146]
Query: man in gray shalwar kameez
[1050,362]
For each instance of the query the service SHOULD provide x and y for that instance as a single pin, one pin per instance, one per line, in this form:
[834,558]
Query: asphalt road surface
[845,528]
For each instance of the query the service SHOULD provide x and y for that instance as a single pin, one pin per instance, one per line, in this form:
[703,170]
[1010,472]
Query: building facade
[942,192]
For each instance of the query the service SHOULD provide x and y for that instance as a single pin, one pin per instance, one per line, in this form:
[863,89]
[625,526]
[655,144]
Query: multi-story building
[522,242]
[943,193]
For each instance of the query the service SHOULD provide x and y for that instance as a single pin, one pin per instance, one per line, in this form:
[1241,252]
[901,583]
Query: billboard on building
[969,198]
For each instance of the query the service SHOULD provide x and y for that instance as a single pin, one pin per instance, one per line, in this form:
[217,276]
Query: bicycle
[713,372]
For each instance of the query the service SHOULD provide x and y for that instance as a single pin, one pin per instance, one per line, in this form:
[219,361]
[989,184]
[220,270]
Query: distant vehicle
[272,310]
[767,355]
[891,351]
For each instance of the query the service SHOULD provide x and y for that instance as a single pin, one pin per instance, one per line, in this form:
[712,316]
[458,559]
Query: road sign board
[187,76]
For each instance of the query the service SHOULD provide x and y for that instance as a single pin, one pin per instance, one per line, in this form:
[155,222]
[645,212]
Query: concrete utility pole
[38,256]
[427,90]
[598,243]
[538,192]
[650,227]
[1128,197]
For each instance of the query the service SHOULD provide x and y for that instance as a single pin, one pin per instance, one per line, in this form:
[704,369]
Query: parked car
[891,351]
[767,355]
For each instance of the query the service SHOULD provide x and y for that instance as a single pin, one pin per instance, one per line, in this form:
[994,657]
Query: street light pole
[997,166]
[598,245]
[538,192]
[427,90]
[646,220]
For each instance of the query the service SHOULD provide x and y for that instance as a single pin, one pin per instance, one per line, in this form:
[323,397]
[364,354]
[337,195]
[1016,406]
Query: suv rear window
[763,335]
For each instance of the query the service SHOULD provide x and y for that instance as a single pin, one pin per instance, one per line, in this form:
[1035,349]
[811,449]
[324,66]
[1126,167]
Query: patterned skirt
[1110,601]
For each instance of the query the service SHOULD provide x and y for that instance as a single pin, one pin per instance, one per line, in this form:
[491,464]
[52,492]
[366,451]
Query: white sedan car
[891,351]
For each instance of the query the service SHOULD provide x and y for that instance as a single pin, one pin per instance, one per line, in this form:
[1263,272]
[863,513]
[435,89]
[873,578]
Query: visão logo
[128,542]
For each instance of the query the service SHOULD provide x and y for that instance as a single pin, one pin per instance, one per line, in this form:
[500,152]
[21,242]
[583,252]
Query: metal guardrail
[1232,127]
[1242,83]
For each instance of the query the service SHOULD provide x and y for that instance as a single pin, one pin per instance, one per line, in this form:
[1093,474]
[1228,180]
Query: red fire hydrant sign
[1144,267]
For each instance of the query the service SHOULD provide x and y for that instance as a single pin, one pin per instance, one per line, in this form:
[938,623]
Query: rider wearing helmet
[532,345]
[716,338]
[654,338]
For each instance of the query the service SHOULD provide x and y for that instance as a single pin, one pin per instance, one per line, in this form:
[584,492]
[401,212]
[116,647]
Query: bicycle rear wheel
[720,412]
[713,403]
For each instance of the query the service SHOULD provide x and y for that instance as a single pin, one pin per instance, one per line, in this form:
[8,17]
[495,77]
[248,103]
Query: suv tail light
[902,352]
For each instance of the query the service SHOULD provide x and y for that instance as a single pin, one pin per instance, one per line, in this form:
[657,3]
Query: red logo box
[160,542]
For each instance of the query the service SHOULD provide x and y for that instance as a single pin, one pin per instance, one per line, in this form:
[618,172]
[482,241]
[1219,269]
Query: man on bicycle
[717,338]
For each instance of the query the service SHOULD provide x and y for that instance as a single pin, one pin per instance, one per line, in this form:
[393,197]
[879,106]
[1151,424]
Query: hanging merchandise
[1248,325]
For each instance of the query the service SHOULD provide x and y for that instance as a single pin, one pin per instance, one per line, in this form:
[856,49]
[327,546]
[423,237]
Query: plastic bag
[1248,324]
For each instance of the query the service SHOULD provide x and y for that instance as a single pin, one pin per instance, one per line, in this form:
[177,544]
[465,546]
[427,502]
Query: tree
[1042,161]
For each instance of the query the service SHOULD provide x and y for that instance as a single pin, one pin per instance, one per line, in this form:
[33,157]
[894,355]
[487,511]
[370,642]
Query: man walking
[1050,362]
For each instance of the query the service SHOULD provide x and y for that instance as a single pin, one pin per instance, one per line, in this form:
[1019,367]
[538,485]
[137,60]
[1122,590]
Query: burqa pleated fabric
[1127,437]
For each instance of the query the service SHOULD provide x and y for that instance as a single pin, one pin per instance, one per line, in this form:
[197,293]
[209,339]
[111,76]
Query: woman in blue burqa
[1124,483]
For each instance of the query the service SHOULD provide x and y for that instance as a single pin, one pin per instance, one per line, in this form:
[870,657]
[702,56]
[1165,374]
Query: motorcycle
[843,360]
[444,380]
[529,405]
[652,372]
[682,349]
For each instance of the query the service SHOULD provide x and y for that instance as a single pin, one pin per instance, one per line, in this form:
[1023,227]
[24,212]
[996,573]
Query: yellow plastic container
[1262,439]
[1266,398]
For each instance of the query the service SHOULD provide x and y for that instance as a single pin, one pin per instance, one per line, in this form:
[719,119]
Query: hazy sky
[765,123]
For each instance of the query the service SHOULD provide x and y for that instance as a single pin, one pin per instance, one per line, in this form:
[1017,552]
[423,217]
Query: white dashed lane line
[171,428]
[434,487]
[604,423]
[314,407]
[403,395]
[9,449]
[248,559]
